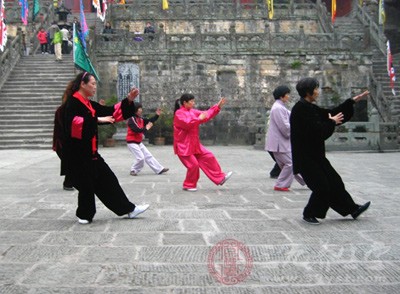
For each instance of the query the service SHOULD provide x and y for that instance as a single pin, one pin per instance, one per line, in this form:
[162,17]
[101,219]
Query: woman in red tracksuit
[187,145]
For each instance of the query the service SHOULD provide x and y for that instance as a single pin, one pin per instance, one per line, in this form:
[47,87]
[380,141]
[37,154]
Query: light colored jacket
[278,135]
[186,129]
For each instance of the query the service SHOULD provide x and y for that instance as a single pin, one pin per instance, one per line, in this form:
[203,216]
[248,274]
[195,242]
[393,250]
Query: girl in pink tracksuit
[187,145]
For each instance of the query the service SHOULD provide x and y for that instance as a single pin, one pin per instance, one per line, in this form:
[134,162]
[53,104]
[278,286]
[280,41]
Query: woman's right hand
[338,118]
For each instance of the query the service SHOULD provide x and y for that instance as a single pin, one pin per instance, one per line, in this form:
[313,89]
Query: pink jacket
[186,129]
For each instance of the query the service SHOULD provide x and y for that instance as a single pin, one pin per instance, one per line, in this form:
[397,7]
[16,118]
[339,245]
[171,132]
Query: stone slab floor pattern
[44,250]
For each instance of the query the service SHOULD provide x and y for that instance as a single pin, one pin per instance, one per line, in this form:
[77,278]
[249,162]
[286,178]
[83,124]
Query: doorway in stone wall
[128,77]
[227,81]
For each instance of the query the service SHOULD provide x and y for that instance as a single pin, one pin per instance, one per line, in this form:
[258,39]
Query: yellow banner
[333,10]
[382,15]
[165,4]
[270,5]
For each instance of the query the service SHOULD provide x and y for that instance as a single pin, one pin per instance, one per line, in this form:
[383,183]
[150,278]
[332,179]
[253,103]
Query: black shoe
[164,170]
[311,220]
[67,188]
[360,210]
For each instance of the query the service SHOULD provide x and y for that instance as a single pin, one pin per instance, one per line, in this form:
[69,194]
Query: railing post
[267,35]
[232,33]
[302,37]
[291,7]
[161,37]
[198,42]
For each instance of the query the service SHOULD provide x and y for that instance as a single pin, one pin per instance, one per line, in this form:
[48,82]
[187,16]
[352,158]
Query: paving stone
[63,275]
[193,214]
[43,249]
[183,239]
[18,238]
[254,238]
[35,225]
[108,255]
[254,226]
[142,224]
[46,213]
[137,239]
[78,239]
[35,253]
[62,290]
[11,272]
[198,225]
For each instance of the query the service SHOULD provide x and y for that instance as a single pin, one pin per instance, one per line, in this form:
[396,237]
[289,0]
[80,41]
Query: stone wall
[246,80]
[243,57]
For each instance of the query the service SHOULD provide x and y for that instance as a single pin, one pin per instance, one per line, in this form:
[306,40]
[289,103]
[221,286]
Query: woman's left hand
[106,119]
[221,102]
[133,94]
[359,97]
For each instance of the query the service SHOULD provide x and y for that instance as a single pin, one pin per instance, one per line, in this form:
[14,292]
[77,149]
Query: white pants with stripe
[142,155]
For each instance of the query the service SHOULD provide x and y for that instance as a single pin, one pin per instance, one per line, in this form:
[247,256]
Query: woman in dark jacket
[310,127]
[89,174]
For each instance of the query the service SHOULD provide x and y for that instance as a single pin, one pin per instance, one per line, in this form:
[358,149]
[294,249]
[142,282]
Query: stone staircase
[351,25]
[381,74]
[29,99]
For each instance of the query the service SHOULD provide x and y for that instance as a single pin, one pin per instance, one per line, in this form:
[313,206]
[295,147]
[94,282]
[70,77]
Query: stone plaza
[167,249]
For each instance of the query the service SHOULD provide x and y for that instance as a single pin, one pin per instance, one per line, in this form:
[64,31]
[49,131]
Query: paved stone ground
[44,250]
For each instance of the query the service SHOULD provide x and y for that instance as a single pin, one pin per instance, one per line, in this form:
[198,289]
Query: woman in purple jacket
[278,139]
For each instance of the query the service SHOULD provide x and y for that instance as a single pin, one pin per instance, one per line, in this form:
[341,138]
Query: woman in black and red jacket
[137,126]
[89,173]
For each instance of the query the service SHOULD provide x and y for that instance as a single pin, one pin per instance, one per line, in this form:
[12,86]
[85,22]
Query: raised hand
[360,96]
[133,93]
[221,102]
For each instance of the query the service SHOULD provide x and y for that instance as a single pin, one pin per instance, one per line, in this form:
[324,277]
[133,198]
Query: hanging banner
[3,27]
[270,5]
[333,11]
[382,15]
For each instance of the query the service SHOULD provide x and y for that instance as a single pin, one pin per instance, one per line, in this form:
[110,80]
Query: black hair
[307,86]
[138,105]
[75,84]
[280,91]
[184,98]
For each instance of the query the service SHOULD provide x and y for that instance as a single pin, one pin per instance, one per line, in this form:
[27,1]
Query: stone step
[45,135]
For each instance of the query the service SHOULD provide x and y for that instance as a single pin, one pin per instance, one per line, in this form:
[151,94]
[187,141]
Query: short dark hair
[138,105]
[307,86]
[280,91]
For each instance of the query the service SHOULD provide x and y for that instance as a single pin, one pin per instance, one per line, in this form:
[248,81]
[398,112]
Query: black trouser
[96,178]
[64,47]
[43,47]
[328,190]
[276,170]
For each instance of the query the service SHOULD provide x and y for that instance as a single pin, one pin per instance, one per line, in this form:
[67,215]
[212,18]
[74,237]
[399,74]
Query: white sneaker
[227,176]
[138,210]
[190,189]
[83,221]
